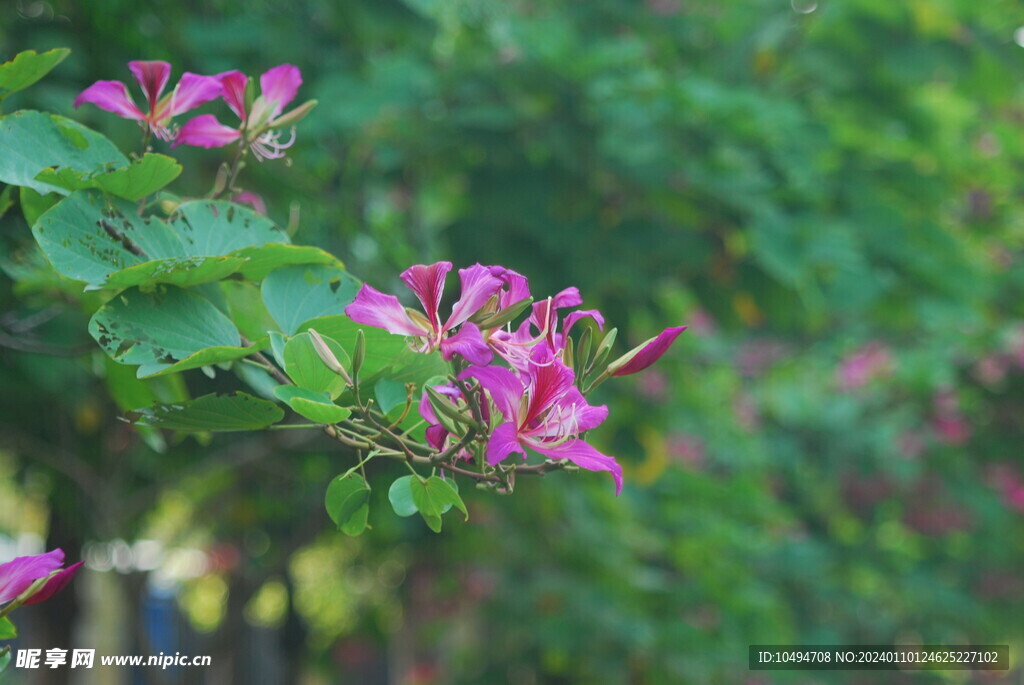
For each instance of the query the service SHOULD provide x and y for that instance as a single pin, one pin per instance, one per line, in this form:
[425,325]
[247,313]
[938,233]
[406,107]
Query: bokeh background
[828,192]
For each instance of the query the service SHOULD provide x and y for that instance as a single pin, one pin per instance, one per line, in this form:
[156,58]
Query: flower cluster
[262,118]
[523,388]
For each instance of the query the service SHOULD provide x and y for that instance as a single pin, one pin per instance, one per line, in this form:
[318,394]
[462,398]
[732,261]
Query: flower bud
[327,356]
[295,116]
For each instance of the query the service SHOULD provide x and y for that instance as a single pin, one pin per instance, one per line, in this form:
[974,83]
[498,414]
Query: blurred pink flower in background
[702,324]
[756,356]
[949,423]
[910,444]
[686,449]
[1006,480]
[653,385]
[866,364]
[744,409]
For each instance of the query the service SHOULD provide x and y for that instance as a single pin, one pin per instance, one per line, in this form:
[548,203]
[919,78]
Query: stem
[236,166]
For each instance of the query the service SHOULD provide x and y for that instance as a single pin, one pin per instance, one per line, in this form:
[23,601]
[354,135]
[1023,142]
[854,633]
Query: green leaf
[33,205]
[85,241]
[296,294]
[179,271]
[7,629]
[277,343]
[235,412]
[315,406]
[446,494]
[266,258]
[217,227]
[33,141]
[382,348]
[133,182]
[425,503]
[305,367]
[415,367]
[347,503]
[28,67]
[246,309]
[400,496]
[166,330]
[358,522]
[5,658]
[7,199]
[389,394]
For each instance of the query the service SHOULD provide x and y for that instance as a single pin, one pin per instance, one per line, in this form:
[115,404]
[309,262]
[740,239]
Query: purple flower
[545,412]
[18,575]
[517,346]
[374,308]
[642,356]
[190,92]
[259,121]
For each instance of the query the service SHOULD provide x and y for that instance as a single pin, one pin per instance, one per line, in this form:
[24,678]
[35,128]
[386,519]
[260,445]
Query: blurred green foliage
[828,193]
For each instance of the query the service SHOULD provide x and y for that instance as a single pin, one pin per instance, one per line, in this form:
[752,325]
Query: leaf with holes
[217,227]
[166,330]
[133,182]
[235,412]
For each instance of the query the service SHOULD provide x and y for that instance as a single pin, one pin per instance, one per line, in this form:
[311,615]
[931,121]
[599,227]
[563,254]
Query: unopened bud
[359,352]
[295,116]
[327,356]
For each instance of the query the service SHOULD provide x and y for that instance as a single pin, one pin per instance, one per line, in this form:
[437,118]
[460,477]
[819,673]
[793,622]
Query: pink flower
[865,365]
[190,92]
[541,327]
[259,121]
[374,308]
[18,575]
[544,412]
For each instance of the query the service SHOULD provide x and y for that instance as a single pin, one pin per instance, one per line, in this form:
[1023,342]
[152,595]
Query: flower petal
[502,443]
[111,96]
[152,76]
[205,131]
[428,284]
[469,344]
[374,308]
[572,317]
[54,584]
[477,287]
[642,356]
[435,436]
[516,289]
[193,90]
[504,387]
[584,456]
[570,297]
[18,574]
[550,382]
[279,86]
[233,84]
[427,410]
